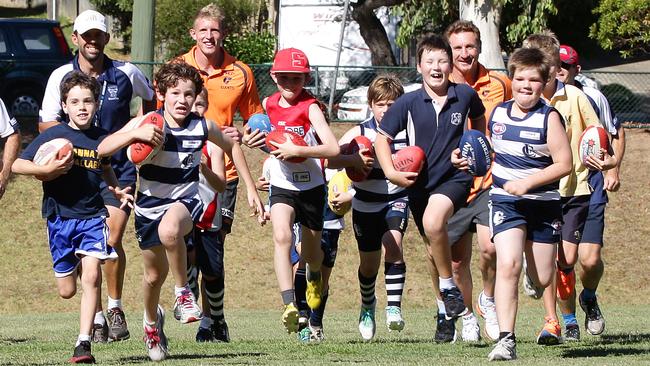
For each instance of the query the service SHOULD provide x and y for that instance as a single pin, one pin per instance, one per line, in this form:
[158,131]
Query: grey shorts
[466,219]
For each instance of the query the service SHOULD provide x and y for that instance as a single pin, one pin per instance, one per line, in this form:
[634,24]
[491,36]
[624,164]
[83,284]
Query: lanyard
[101,103]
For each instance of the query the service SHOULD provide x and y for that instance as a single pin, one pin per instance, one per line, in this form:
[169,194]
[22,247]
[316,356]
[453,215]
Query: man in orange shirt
[231,88]
[493,88]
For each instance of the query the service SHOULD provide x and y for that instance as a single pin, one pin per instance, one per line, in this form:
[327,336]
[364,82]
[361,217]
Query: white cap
[88,20]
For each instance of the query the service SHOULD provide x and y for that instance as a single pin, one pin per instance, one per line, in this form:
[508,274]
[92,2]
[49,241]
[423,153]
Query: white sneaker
[186,309]
[155,339]
[487,310]
[471,330]
[367,324]
[529,286]
[504,350]
[394,320]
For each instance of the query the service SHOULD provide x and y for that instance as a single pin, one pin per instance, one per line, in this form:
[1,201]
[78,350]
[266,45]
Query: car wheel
[23,102]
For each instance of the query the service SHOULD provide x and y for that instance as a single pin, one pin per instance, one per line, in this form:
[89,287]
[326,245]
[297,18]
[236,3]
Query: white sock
[206,322]
[441,306]
[446,283]
[485,300]
[99,318]
[114,303]
[82,338]
[179,290]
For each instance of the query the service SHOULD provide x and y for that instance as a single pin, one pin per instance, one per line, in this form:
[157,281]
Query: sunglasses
[566,66]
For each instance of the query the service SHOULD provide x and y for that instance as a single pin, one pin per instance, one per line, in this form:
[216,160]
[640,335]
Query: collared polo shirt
[119,82]
[437,133]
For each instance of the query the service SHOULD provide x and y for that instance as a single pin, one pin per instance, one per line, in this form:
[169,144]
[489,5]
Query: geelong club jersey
[375,192]
[284,174]
[520,146]
[173,174]
[211,217]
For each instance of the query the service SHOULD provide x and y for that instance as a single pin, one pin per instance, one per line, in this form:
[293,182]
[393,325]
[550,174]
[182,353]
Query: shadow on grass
[624,338]
[142,359]
[604,352]
[10,340]
[417,341]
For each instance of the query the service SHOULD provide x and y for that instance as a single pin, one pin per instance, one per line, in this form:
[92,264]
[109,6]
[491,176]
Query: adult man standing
[8,131]
[493,88]
[231,87]
[120,82]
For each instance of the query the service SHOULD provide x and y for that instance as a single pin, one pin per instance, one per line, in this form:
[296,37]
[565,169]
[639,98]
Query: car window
[3,43]
[36,39]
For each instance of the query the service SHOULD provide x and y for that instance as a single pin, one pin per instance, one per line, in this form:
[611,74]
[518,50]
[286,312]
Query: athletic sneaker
[367,324]
[186,309]
[454,303]
[504,350]
[204,335]
[155,339]
[572,333]
[594,320]
[304,335]
[290,318]
[316,335]
[82,353]
[530,289]
[220,331]
[471,330]
[100,333]
[117,329]
[566,283]
[487,310]
[551,334]
[314,290]
[394,320]
[445,330]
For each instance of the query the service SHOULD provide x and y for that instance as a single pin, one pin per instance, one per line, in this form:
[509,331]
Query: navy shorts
[542,219]
[574,216]
[594,225]
[466,219]
[208,247]
[329,244]
[71,239]
[146,230]
[456,191]
[111,200]
[308,205]
[227,202]
[370,227]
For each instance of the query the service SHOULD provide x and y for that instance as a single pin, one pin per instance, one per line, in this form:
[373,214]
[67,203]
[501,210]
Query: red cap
[568,55]
[290,60]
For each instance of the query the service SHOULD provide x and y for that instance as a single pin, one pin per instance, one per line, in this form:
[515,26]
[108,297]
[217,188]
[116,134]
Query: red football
[280,137]
[358,143]
[591,141]
[409,159]
[141,152]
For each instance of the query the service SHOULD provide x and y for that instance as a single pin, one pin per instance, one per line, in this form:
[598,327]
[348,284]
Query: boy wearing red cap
[588,250]
[297,191]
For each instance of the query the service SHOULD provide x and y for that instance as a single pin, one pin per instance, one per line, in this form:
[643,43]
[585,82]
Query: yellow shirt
[577,112]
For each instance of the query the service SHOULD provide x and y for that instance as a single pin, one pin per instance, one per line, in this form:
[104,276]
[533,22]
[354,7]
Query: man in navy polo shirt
[434,118]
[120,82]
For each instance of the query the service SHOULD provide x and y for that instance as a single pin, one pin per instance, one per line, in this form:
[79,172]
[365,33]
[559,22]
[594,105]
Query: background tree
[373,32]
[623,25]
[121,12]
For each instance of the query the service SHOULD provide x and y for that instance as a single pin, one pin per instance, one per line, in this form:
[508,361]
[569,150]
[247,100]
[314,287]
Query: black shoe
[117,329]
[454,303]
[204,335]
[100,333]
[572,333]
[594,320]
[220,331]
[445,330]
[82,354]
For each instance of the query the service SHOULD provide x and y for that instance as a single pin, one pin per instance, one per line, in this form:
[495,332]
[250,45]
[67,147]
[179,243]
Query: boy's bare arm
[215,174]
[122,194]
[127,135]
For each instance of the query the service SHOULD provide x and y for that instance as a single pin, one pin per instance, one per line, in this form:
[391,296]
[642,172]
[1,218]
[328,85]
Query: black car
[30,49]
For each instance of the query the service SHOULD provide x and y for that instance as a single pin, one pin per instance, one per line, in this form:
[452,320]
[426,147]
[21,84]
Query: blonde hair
[547,42]
[461,26]
[384,87]
[212,11]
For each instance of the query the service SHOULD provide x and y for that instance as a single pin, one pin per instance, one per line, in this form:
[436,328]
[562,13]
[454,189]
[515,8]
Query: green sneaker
[367,324]
[304,335]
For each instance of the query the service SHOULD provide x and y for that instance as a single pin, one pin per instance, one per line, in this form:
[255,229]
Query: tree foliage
[121,11]
[423,16]
[623,25]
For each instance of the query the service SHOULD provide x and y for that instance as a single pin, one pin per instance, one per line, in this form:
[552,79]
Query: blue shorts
[71,239]
[209,251]
[111,200]
[594,225]
[574,216]
[329,244]
[542,219]
[146,230]
[457,192]
[370,227]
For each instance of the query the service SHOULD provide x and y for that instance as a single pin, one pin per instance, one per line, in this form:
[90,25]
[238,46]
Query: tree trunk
[373,32]
[486,15]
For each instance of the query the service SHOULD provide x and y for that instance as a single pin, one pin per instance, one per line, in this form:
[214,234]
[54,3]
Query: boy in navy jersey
[532,153]
[434,118]
[168,204]
[72,203]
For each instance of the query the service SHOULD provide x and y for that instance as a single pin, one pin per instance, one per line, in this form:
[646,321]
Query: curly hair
[169,74]
[78,78]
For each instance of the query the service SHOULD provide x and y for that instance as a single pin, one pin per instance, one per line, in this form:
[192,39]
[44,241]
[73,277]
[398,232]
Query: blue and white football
[475,147]
[260,122]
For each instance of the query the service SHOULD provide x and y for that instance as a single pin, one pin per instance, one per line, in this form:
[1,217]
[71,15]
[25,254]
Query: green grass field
[37,327]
